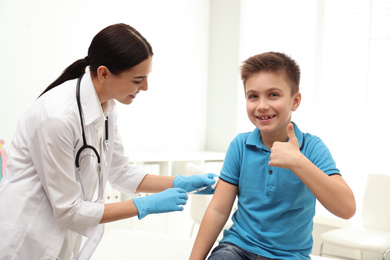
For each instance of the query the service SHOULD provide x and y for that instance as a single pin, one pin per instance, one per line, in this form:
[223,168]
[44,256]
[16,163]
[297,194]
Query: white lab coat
[40,198]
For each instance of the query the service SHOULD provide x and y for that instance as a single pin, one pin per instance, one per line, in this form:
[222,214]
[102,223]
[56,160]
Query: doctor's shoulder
[58,101]
[57,104]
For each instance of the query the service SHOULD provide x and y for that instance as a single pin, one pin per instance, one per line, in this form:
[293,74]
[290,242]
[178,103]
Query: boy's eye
[251,96]
[274,94]
[138,82]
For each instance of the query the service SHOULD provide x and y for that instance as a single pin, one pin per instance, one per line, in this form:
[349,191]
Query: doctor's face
[127,85]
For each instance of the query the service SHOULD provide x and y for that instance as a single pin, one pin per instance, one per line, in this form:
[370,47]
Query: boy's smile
[265,119]
[269,104]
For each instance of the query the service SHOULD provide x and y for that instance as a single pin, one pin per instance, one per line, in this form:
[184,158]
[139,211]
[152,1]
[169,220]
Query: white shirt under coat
[40,197]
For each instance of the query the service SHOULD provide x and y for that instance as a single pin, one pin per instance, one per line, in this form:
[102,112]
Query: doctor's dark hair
[119,47]
[273,62]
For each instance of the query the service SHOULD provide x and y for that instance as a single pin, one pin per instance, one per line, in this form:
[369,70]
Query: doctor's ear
[102,73]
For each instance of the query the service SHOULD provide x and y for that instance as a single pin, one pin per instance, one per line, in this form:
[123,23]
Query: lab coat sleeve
[123,176]
[52,153]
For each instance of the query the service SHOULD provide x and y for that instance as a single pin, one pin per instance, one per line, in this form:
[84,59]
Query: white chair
[199,203]
[373,234]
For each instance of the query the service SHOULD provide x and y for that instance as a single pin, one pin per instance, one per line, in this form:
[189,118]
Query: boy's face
[269,103]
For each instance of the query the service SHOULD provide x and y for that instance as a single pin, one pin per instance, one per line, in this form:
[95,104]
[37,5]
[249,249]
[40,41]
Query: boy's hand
[285,154]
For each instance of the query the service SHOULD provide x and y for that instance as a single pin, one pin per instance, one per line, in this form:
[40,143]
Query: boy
[276,171]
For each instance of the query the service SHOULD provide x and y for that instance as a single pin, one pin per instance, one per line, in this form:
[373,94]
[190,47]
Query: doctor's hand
[194,182]
[165,201]
[285,154]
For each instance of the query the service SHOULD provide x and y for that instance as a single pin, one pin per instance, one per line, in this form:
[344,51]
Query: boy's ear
[296,101]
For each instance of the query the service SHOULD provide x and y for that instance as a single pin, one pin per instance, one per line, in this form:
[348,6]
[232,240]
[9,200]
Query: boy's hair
[273,62]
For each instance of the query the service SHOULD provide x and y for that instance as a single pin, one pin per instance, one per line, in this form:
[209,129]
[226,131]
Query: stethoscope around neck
[86,146]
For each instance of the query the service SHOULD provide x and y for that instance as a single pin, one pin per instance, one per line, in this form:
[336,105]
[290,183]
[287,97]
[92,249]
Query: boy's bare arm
[332,192]
[214,219]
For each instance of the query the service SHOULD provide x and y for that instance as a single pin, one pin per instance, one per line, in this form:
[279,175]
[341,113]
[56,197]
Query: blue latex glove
[165,201]
[193,182]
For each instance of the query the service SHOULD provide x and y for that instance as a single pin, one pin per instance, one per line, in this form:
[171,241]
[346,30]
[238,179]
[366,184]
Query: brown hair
[119,47]
[273,62]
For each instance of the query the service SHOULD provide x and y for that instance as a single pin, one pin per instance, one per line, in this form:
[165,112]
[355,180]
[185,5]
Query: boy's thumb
[291,133]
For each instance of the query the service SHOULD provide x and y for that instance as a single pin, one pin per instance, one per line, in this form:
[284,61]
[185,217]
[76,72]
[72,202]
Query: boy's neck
[268,140]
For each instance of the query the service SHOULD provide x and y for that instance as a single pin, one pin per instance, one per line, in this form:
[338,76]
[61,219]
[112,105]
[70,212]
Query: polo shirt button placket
[270,185]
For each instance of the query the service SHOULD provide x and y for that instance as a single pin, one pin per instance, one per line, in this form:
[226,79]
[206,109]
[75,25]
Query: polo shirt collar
[92,109]
[255,138]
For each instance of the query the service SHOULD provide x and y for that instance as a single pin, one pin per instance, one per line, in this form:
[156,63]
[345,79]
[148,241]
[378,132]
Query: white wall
[39,39]
[222,103]
[293,30]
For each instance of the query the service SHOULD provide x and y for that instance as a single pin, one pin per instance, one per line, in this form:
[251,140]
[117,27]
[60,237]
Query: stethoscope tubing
[86,146]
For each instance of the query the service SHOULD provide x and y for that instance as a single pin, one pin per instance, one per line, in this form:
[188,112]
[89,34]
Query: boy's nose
[262,105]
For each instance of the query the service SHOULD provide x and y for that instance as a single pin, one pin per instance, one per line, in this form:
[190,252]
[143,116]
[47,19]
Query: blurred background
[195,100]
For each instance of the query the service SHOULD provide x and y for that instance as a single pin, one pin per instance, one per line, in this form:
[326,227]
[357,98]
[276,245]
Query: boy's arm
[332,192]
[214,219]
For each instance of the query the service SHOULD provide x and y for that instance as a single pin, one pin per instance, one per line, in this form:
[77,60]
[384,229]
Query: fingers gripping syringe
[216,179]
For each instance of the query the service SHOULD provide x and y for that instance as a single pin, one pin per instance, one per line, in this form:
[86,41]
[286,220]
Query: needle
[203,188]
[197,190]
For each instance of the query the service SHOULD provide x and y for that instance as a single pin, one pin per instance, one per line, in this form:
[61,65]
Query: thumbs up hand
[285,154]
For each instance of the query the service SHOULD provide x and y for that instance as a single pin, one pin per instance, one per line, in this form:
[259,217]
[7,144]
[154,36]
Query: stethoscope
[86,146]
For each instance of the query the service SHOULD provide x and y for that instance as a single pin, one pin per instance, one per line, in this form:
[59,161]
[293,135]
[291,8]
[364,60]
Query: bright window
[343,47]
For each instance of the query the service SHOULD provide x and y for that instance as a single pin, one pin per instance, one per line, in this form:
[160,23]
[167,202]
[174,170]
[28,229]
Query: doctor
[67,146]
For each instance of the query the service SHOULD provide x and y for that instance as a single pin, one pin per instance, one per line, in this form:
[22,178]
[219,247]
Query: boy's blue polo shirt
[275,209]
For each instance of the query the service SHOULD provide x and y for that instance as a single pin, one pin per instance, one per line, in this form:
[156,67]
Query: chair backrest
[199,203]
[376,202]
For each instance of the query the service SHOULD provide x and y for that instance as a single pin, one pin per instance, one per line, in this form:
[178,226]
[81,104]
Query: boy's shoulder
[243,137]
